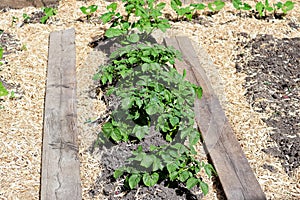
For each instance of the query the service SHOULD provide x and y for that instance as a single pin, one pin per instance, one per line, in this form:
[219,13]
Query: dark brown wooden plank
[234,171]
[60,164]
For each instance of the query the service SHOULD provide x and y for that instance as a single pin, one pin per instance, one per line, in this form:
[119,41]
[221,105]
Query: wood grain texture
[60,165]
[234,171]
[26,3]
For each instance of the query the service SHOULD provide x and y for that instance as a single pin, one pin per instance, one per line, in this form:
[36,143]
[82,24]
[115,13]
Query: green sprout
[88,11]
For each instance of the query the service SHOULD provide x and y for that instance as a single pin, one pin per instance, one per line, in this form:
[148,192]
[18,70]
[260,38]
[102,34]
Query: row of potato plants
[153,94]
[263,8]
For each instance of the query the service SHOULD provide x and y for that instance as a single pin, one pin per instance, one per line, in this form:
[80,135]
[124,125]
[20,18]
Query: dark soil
[273,87]
[10,44]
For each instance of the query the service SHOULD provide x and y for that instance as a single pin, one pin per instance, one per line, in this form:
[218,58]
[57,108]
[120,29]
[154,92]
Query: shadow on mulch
[273,87]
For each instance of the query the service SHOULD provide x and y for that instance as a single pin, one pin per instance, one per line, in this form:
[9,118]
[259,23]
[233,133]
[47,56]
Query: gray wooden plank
[60,164]
[234,171]
[26,3]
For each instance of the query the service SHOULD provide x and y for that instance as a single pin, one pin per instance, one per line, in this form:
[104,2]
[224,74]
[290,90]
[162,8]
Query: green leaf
[209,170]
[174,121]
[153,148]
[160,6]
[140,131]
[180,147]
[106,17]
[1,52]
[260,8]
[134,180]
[246,7]
[173,153]
[216,5]
[107,129]
[112,6]
[185,132]
[237,4]
[166,157]
[173,175]
[3,91]
[198,91]
[83,10]
[113,32]
[194,137]
[127,103]
[191,182]
[219,5]
[96,77]
[287,6]
[184,176]
[163,26]
[198,6]
[146,59]
[150,180]
[157,164]
[184,74]
[152,108]
[147,160]
[279,5]
[116,135]
[133,38]
[44,19]
[178,2]
[118,173]
[171,167]
[93,8]
[204,187]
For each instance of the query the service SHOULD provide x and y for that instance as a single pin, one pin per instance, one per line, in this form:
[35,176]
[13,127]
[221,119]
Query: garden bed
[219,34]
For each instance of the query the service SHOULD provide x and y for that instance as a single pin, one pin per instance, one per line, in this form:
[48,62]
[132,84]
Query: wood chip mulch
[24,72]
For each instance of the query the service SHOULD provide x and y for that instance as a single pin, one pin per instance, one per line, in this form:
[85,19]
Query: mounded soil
[272,66]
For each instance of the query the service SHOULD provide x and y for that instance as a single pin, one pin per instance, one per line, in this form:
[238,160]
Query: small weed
[26,18]
[1,55]
[239,5]
[185,12]
[48,12]
[14,20]
[88,11]
[216,6]
[3,90]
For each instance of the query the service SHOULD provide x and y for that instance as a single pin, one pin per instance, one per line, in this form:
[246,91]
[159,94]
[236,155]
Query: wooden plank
[234,171]
[60,164]
[27,3]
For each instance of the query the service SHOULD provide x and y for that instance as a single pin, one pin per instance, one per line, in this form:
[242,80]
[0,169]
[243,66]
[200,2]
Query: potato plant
[152,94]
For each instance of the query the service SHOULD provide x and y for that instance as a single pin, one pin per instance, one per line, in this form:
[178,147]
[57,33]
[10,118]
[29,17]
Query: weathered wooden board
[234,171]
[60,164]
[27,3]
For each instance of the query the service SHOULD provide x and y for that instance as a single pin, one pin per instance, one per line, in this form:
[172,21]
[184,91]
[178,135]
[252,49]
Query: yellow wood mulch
[21,119]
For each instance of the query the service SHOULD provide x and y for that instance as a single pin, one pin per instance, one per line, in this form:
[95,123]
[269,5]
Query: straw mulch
[25,73]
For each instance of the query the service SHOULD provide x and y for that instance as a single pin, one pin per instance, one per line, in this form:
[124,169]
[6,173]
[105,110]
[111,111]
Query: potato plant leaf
[134,180]
[204,187]
[191,182]
[150,180]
